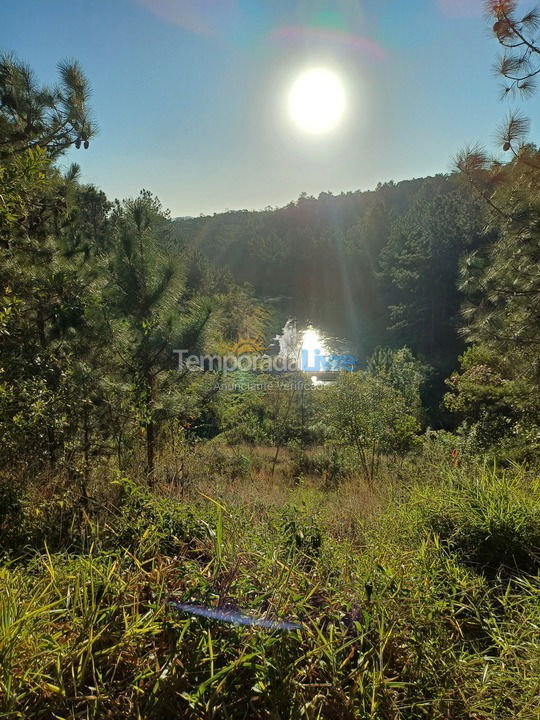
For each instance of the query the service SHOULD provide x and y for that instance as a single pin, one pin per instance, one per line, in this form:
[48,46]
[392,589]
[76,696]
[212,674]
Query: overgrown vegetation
[416,603]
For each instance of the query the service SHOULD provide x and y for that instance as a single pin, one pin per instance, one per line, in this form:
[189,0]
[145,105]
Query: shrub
[48,516]
[330,462]
[490,519]
[366,413]
[147,524]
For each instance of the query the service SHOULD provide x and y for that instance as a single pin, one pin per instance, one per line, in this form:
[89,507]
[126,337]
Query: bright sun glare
[311,340]
[317,101]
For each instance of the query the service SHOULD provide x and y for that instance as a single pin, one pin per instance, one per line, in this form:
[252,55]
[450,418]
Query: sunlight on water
[306,344]
[313,340]
[292,341]
[312,344]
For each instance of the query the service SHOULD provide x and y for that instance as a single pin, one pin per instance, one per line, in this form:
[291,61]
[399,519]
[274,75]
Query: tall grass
[428,609]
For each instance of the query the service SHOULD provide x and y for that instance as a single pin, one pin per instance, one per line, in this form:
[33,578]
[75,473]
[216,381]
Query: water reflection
[306,345]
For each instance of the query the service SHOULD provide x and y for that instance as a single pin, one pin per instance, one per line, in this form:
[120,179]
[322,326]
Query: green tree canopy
[31,115]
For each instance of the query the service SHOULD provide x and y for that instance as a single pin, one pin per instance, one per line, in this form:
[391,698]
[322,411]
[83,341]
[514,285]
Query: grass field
[418,600]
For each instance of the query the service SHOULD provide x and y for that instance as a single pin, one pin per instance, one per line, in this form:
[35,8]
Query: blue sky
[190,95]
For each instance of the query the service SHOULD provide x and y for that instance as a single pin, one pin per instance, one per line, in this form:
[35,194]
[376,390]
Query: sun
[317,101]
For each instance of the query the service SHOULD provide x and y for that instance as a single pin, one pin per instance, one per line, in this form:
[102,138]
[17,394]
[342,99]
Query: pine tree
[146,309]
[32,116]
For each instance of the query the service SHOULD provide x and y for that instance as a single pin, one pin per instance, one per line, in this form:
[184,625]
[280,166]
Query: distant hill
[316,254]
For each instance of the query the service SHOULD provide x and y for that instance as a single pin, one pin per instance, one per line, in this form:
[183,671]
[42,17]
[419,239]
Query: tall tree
[421,263]
[147,310]
[49,304]
[501,278]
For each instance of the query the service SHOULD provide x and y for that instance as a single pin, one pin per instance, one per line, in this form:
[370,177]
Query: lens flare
[234,617]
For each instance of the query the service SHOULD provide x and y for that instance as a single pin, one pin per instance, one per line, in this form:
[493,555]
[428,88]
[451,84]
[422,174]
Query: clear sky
[191,95]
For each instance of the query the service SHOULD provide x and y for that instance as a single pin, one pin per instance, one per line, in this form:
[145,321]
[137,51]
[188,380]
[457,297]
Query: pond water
[310,346]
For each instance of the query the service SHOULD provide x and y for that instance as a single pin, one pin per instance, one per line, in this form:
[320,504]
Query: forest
[385,525]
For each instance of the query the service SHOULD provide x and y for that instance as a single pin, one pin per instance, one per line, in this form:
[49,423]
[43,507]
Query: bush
[490,519]
[10,511]
[330,462]
[148,524]
[366,413]
[497,406]
[229,464]
[38,517]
